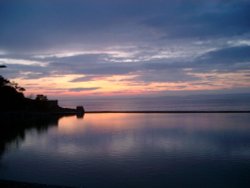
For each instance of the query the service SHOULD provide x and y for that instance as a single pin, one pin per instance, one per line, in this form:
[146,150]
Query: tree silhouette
[11,96]
[6,83]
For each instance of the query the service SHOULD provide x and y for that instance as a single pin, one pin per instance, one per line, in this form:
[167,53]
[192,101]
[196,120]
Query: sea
[131,150]
[163,103]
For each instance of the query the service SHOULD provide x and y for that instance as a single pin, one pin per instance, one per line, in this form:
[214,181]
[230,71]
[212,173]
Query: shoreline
[51,112]
[72,113]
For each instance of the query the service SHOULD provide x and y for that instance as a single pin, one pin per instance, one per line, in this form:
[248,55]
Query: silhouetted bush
[11,96]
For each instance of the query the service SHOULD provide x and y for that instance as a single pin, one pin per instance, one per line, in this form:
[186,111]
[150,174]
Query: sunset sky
[126,47]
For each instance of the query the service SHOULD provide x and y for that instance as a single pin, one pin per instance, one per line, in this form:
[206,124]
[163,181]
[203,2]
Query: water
[131,150]
[201,102]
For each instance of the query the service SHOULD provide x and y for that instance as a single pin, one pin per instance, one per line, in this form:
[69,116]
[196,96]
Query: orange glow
[128,85]
[115,122]
[70,125]
[96,122]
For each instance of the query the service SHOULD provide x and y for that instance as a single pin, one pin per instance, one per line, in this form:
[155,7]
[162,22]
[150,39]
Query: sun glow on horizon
[126,84]
[146,80]
[126,50]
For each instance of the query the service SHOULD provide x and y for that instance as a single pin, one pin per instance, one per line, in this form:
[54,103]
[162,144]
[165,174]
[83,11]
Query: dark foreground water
[132,150]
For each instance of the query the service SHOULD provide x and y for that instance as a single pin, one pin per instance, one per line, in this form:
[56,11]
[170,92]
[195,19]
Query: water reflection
[189,134]
[136,150]
[13,129]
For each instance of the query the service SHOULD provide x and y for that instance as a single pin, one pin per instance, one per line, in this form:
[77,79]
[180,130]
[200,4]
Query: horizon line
[169,111]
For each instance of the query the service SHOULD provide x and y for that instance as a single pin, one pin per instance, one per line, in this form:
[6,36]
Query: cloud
[35,26]
[229,59]
[229,55]
[153,41]
[22,62]
[173,75]
[88,78]
[90,64]
[30,26]
[203,19]
[83,89]
[149,66]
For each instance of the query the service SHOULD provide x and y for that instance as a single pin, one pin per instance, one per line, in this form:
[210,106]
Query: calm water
[132,150]
[201,102]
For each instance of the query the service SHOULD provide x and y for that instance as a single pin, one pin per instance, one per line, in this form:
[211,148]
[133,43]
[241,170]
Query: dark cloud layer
[204,19]
[229,55]
[154,40]
[96,66]
[90,64]
[43,25]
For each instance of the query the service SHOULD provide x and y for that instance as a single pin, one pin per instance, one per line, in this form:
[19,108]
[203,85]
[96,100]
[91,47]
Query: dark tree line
[11,95]
[6,83]
[12,98]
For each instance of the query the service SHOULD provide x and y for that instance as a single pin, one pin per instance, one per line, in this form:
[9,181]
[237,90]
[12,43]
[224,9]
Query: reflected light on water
[117,134]
[121,121]
[70,125]
[136,150]
[96,123]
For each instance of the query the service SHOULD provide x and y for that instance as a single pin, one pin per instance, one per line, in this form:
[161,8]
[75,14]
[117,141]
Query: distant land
[12,100]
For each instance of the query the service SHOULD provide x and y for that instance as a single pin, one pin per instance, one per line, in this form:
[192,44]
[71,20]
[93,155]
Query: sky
[72,48]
